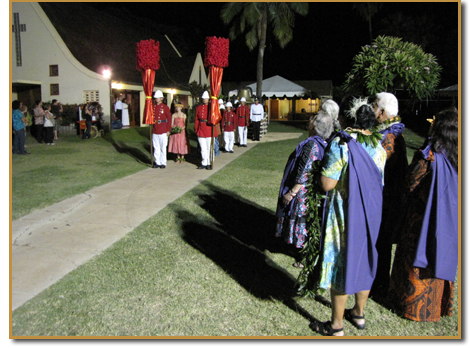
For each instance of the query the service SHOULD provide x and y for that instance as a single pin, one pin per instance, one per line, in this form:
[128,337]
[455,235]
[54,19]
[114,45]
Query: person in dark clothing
[88,122]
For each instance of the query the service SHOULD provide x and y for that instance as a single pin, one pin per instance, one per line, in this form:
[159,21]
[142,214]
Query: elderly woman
[426,258]
[353,171]
[332,109]
[292,205]
[389,124]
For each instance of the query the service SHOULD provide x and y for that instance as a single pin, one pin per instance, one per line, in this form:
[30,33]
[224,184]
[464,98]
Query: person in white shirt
[118,107]
[257,114]
[125,114]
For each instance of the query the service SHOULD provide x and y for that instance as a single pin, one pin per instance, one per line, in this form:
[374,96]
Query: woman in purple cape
[353,171]
[426,258]
[292,200]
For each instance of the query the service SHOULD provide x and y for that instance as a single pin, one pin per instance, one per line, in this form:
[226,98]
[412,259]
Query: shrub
[390,64]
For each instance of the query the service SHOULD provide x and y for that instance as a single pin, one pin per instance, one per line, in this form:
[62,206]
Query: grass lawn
[206,265]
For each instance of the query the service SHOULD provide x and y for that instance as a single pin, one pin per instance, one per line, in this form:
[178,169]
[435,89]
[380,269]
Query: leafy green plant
[307,282]
[390,64]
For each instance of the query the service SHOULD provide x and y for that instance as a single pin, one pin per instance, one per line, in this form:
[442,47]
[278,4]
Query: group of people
[168,125]
[46,118]
[169,130]
[44,123]
[233,119]
[374,200]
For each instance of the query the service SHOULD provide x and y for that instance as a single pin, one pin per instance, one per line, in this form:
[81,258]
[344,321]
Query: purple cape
[438,242]
[396,129]
[363,217]
[287,179]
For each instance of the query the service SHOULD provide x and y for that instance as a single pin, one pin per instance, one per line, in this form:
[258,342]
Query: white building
[44,67]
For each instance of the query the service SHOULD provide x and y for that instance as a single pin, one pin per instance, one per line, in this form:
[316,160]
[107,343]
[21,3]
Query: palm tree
[254,17]
[367,10]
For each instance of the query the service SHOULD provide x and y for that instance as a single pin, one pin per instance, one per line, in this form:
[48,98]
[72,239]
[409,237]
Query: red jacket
[243,115]
[203,130]
[162,117]
[229,121]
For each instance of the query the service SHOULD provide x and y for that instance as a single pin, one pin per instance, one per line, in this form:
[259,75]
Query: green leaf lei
[372,139]
[307,283]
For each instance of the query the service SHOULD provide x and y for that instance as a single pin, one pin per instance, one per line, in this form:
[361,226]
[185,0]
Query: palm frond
[230,10]
[251,38]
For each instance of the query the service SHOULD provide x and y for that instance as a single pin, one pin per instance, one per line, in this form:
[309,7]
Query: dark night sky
[325,41]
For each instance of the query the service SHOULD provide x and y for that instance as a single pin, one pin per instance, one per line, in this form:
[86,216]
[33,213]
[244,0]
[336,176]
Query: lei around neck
[373,139]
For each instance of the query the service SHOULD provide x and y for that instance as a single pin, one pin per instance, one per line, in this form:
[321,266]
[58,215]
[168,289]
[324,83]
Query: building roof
[107,39]
[280,87]
[320,87]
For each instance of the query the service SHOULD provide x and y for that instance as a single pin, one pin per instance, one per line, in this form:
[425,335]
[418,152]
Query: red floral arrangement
[148,55]
[216,52]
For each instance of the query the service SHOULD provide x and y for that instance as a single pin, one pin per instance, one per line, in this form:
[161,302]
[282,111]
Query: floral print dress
[293,229]
[335,165]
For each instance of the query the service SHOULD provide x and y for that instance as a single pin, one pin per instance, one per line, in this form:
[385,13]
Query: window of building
[53,70]
[54,89]
[91,96]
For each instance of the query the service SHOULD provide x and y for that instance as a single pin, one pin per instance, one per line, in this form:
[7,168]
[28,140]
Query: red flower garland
[217,50]
[148,55]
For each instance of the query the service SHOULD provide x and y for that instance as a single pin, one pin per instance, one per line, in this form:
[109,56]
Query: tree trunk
[262,47]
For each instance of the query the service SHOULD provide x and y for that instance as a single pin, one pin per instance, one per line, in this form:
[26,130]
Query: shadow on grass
[236,243]
[122,147]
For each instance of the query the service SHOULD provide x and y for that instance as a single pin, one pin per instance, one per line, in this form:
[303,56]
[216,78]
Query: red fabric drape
[215,79]
[148,78]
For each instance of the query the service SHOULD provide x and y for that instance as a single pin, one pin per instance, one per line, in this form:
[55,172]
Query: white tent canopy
[277,86]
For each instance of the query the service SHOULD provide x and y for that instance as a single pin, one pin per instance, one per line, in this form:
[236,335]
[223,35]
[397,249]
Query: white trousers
[242,134]
[205,144]
[160,142]
[229,138]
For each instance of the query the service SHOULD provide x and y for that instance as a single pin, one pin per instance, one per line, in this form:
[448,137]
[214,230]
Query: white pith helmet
[229,104]
[158,94]
[205,95]
[242,99]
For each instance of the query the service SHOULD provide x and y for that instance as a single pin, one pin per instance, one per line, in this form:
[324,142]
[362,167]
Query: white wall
[41,47]
[199,73]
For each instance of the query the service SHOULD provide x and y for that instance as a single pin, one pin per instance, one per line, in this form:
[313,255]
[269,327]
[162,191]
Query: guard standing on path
[203,131]
[243,121]
[257,114]
[228,125]
[161,130]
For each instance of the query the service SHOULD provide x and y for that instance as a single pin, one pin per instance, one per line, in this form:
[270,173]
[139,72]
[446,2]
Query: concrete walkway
[49,243]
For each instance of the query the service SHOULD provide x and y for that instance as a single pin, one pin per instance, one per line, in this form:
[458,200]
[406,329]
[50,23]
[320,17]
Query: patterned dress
[335,166]
[414,292]
[293,228]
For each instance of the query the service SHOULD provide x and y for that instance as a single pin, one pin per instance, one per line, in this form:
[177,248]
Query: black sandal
[352,319]
[325,328]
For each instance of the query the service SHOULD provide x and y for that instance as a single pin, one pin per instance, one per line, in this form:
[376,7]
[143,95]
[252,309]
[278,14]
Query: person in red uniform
[228,125]
[161,130]
[243,121]
[204,131]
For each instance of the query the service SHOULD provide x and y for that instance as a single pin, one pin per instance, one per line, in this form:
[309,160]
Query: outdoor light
[172,91]
[107,73]
[116,85]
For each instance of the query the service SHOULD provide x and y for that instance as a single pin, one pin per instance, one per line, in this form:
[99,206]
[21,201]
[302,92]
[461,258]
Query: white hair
[388,102]
[332,109]
[323,124]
